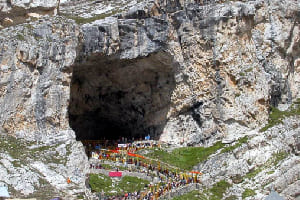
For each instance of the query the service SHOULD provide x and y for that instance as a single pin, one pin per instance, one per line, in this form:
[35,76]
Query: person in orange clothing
[68,180]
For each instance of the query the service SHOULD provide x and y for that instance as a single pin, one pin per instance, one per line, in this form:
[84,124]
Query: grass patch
[19,149]
[16,163]
[277,157]
[238,144]
[106,166]
[232,197]
[186,157]
[215,193]
[271,172]
[276,116]
[20,37]
[219,189]
[99,183]
[248,193]
[110,167]
[273,161]
[253,173]
[40,149]
[131,184]
[14,147]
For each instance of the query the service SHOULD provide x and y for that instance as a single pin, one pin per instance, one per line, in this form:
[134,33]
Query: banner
[115,174]
[122,145]
[135,155]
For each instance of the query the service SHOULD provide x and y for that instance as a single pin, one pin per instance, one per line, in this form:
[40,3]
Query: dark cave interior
[112,98]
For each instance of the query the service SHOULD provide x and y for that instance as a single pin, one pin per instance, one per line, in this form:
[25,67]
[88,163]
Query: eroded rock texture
[35,78]
[186,72]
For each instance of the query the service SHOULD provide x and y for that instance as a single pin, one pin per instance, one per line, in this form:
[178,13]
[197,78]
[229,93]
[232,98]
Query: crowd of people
[103,148]
[167,177]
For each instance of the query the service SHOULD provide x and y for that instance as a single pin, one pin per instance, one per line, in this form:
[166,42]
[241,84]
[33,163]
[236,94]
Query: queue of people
[167,177]
[103,148]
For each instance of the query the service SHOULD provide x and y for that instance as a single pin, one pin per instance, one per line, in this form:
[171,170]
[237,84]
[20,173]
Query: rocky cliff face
[185,72]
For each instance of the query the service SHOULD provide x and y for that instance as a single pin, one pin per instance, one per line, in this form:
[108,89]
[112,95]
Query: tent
[135,155]
[274,196]
[195,172]
[4,192]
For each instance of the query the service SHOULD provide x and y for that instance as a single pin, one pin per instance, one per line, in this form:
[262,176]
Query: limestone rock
[7,21]
[185,72]
[266,161]
[34,15]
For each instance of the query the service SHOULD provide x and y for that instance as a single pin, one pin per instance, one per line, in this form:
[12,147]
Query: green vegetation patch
[277,157]
[23,153]
[253,173]
[20,37]
[219,189]
[131,184]
[232,197]
[270,172]
[20,149]
[100,182]
[215,193]
[14,147]
[241,141]
[273,161]
[109,167]
[248,193]
[185,157]
[16,163]
[276,116]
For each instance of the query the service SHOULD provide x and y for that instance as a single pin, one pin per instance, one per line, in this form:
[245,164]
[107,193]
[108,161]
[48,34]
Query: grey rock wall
[231,61]
[35,68]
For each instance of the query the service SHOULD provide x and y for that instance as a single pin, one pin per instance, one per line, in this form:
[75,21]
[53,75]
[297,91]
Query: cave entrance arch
[111,98]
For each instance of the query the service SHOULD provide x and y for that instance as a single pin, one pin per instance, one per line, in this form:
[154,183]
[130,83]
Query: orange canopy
[195,172]
[135,155]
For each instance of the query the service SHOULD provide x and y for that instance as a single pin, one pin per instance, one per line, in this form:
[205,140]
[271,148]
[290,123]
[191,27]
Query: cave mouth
[111,98]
